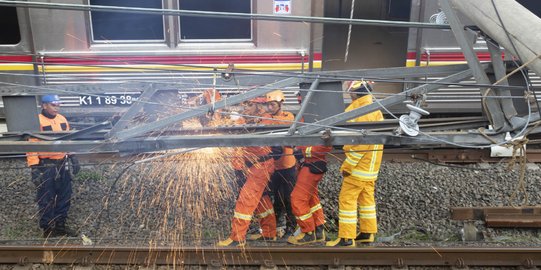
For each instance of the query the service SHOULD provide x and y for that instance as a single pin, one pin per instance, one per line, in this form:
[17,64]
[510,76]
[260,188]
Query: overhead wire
[217,14]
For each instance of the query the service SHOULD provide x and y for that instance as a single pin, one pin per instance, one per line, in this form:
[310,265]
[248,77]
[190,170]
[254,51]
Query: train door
[369,46]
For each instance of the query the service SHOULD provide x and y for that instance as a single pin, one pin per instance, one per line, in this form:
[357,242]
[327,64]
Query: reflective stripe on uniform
[353,158]
[266,213]
[315,208]
[242,216]
[347,213]
[367,216]
[367,208]
[364,175]
[377,147]
[308,152]
[348,220]
[305,217]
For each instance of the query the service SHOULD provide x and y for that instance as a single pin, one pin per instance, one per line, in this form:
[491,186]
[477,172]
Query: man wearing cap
[357,204]
[50,174]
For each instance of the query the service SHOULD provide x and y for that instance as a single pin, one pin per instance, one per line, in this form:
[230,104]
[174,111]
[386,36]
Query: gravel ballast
[141,207]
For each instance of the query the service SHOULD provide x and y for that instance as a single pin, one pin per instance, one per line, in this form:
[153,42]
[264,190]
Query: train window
[9,32]
[193,28]
[118,26]
[399,9]
[533,5]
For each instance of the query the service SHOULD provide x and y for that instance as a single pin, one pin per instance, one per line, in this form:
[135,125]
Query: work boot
[61,230]
[321,235]
[230,243]
[289,232]
[365,238]
[48,232]
[302,238]
[258,236]
[341,242]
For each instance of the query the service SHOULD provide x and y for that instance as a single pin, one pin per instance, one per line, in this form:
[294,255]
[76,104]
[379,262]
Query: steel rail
[216,14]
[271,256]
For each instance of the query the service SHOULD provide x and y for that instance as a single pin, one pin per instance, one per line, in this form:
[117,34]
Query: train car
[377,47]
[47,47]
[59,46]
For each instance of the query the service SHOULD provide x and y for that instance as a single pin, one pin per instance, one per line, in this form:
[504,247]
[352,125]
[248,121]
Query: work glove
[75,167]
[240,176]
[298,154]
[277,152]
[37,175]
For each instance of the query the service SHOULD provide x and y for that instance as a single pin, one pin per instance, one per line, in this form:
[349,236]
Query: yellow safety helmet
[276,95]
[359,86]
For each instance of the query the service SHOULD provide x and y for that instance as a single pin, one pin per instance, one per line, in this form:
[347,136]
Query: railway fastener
[460,264]
[528,264]
[399,264]
[336,265]
[268,265]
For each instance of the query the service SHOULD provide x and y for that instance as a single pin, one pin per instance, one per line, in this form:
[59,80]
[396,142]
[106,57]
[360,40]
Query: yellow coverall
[361,167]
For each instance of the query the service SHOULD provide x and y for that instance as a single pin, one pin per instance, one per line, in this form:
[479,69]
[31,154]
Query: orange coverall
[305,196]
[258,166]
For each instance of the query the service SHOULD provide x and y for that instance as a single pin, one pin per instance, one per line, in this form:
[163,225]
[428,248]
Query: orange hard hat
[260,100]
[207,96]
[276,95]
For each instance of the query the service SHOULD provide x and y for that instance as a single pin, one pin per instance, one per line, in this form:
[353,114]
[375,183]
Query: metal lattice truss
[134,139]
[332,129]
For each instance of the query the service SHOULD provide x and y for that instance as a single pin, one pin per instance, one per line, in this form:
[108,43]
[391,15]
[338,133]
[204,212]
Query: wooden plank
[513,221]
[479,213]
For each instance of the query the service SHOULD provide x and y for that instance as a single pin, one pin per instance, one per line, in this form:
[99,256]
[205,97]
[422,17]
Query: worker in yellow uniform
[51,176]
[360,170]
[283,180]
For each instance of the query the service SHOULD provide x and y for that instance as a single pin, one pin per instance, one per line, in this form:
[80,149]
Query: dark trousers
[53,195]
[281,185]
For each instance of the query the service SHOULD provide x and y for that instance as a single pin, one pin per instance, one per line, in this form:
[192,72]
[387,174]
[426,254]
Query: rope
[482,132]
[519,145]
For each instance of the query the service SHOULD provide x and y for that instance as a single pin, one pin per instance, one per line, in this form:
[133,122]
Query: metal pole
[518,28]
[304,105]
[490,106]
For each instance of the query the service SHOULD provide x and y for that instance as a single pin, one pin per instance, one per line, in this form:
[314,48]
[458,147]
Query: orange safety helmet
[259,100]
[276,95]
[207,96]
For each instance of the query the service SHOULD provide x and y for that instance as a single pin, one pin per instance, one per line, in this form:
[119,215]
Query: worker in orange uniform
[283,179]
[360,170]
[51,176]
[258,168]
[305,196]
[253,113]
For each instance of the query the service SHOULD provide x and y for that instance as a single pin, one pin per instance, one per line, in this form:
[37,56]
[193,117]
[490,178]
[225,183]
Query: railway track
[271,257]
